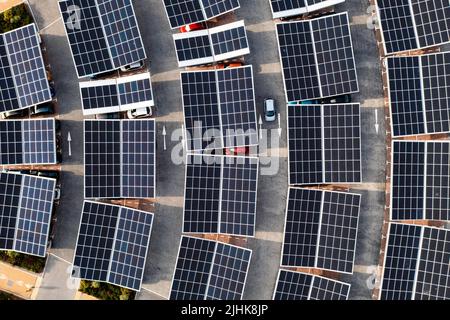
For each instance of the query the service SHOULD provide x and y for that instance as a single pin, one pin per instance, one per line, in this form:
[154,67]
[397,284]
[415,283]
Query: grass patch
[32,263]
[106,291]
[7,296]
[14,18]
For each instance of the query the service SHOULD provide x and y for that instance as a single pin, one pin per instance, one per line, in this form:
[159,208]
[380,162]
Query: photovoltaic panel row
[112,244]
[26,204]
[27,142]
[209,270]
[416,263]
[324,144]
[212,45]
[103,34]
[116,95]
[23,76]
[289,8]
[219,108]
[317,57]
[119,158]
[320,230]
[184,12]
[419,94]
[420,175]
[302,286]
[413,24]
[220,195]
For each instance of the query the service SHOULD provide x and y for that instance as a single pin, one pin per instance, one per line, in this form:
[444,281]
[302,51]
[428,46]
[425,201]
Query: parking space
[272,186]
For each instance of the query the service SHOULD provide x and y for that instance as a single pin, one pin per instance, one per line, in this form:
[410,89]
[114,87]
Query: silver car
[270,113]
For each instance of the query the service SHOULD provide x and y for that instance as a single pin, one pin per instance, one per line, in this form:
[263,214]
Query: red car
[191,27]
[238,151]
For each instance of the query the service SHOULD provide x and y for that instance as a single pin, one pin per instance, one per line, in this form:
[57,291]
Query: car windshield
[270,113]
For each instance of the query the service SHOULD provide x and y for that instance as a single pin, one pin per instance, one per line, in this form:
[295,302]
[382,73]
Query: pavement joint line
[59,258]
[50,24]
[151,291]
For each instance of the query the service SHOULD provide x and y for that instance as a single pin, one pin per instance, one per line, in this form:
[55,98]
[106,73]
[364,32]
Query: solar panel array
[103,34]
[320,230]
[289,8]
[185,12]
[324,143]
[419,184]
[119,158]
[27,142]
[23,76]
[112,244]
[419,94]
[209,270]
[413,24]
[116,95]
[212,45]
[220,195]
[302,286]
[317,57]
[219,108]
[416,263]
[26,204]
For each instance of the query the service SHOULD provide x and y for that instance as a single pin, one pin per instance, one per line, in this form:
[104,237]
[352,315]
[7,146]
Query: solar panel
[112,244]
[119,158]
[302,286]
[420,175]
[219,108]
[28,142]
[289,8]
[317,57]
[320,230]
[416,263]
[220,195]
[26,204]
[413,24]
[24,78]
[116,95]
[209,270]
[184,12]
[212,45]
[324,144]
[103,34]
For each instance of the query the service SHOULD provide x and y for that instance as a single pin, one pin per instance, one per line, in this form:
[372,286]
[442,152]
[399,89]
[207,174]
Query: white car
[270,113]
[133,66]
[145,112]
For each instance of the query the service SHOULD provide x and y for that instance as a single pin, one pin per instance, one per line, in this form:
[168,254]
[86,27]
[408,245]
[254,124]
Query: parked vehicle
[308,102]
[192,27]
[270,113]
[346,98]
[57,194]
[134,66]
[42,109]
[238,151]
[14,114]
[144,112]
[113,115]
[48,174]
[103,75]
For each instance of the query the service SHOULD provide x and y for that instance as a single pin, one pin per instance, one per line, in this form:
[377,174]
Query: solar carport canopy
[184,12]
[416,263]
[219,108]
[320,230]
[419,94]
[26,204]
[420,187]
[119,158]
[324,144]
[209,270]
[211,45]
[317,57]
[27,142]
[103,34]
[112,244]
[23,76]
[413,24]
[220,195]
[116,95]
[288,8]
[293,285]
